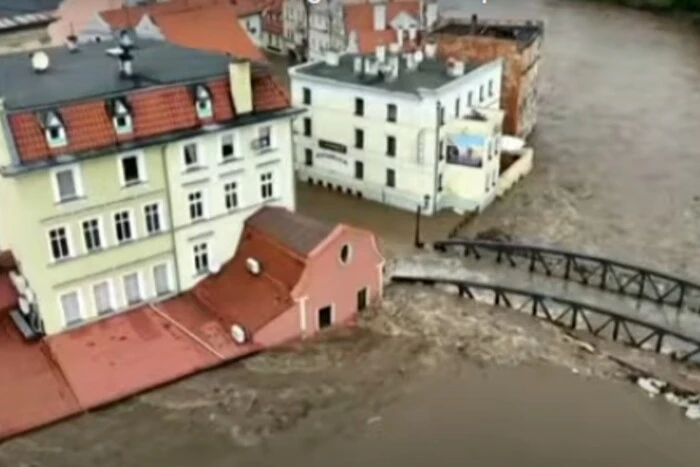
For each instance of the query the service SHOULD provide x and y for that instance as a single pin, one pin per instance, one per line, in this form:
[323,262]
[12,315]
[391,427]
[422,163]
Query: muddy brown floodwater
[429,380]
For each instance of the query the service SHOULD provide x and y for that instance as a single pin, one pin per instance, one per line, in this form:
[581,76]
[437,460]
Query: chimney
[126,63]
[379,16]
[412,34]
[357,65]
[418,56]
[239,84]
[455,67]
[411,61]
[380,52]
[394,48]
[474,23]
[332,58]
[430,50]
[431,14]
[72,43]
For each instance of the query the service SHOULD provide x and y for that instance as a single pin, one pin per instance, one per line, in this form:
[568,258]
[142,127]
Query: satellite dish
[24,306]
[214,267]
[238,334]
[40,61]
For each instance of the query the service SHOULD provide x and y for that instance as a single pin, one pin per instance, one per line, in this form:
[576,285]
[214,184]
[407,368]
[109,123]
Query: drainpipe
[164,162]
[437,155]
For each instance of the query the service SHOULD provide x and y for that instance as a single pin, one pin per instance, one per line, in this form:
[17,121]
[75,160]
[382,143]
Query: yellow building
[127,173]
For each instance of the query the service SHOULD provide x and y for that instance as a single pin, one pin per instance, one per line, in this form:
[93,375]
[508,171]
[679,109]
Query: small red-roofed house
[293,276]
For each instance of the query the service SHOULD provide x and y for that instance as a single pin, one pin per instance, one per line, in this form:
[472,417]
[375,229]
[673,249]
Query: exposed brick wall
[516,86]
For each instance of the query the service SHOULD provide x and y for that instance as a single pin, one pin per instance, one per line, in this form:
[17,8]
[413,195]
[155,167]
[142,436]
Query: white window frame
[200,156]
[206,112]
[132,223]
[234,142]
[207,248]
[161,217]
[142,288]
[100,231]
[77,180]
[112,296]
[81,307]
[271,136]
[237,192]
[69,242]
[271,181]
[168,276]
[205,211]
[140,163]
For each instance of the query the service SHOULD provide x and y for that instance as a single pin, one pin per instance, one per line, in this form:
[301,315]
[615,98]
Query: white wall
[221,229]
[416,132]
[252,24]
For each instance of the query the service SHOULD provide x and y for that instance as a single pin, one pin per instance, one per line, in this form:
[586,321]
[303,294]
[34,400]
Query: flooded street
[617,171]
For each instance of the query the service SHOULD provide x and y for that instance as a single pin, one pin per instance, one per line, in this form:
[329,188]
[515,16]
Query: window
[201,258]
[70,306]
[58,241]
[481,93]
[122,226]
[92,235]
[391,113]
[307,96]
[359,170]
[196,204]
[66,184]
[231,195]
[132,169]
[266,185]
[390,178]
[55,131]
[359,107]
[490,88]
[441,115]
[470,98]
[308,157]
[325,317]
[345,253]
[190,156]
[439,187]
[390,146]
[441,150]
[307,126]
[227,148]
[132,289]
[102,294]
[264,137]
[457,103]
[359,138]
[203,102]
[161,279]
[151,213]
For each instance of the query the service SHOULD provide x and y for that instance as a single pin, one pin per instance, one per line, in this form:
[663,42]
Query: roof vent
[418,56]
[72,43]
[371,67]
[40,61]
[332,58]
[253,266]
[411,63]
[357,65]
[455,67]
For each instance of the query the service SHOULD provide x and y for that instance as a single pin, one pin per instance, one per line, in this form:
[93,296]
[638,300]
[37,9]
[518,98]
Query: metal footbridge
[638,306]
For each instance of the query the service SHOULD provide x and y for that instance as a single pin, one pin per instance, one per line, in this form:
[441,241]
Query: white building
[382,126]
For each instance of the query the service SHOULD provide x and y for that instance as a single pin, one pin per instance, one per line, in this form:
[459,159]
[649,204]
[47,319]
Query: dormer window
[121,116]
[203,102]
[54,130]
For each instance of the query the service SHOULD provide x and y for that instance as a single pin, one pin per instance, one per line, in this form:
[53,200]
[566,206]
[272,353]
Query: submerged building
[518,43]
[405,129]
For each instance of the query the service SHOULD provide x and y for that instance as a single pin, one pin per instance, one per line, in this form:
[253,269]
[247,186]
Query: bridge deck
[488,272]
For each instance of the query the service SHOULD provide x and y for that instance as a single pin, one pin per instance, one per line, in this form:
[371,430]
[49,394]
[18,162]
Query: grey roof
[24,7]
[91,73]
[431,74]
[299,233]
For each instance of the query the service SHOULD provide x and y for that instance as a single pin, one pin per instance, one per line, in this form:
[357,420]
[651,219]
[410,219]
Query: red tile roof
[237,296]
[215,28]
[155,112]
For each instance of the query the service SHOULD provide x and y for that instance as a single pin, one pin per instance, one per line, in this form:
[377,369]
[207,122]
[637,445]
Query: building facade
[311,30]
[138,193]
[519,43]
[273,27]
[378,126]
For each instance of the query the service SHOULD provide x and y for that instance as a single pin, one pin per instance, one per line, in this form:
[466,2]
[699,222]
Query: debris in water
[652,385]
[693,412]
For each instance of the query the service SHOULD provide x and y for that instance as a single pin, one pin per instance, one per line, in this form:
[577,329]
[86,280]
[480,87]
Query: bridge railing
[594,271]
[573,314]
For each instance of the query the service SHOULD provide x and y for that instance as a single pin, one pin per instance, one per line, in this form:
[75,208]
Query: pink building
[293,276]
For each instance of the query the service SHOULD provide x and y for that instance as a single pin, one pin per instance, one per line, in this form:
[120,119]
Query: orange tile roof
[215,28]
[237,296]
[360,16]
[156,112]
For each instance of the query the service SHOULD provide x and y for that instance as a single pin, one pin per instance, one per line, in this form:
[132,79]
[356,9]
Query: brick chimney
[240,86]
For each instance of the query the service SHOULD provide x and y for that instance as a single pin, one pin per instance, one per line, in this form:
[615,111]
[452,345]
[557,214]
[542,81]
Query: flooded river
[617,171]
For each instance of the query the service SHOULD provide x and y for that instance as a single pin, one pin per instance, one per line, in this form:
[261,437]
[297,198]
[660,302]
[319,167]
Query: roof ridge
[277,243]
